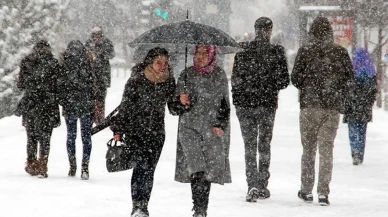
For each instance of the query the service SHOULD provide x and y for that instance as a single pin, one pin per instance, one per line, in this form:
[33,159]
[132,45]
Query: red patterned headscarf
[211,52]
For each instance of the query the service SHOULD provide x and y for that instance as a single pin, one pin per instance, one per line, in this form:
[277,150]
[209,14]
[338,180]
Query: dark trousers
[318,129]
[357,137]
[257,122]
[86,128]
[200,189]
[35,136]
[147,150]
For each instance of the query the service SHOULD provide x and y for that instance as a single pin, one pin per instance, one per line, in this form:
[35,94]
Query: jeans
[86,128]
[357,137]
[257,123]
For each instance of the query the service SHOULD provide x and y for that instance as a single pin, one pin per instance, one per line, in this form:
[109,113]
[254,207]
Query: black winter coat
[259,72]
[143,105]
[309,80]
[101,67]
[75,84]
[359,104]
[38,78]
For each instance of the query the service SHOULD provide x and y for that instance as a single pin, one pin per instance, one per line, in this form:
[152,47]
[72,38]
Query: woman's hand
[185,99]
[218,131]
[117,137]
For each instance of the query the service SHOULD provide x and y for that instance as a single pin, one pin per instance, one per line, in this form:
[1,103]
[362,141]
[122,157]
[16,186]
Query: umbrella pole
[186,51]
[185,78]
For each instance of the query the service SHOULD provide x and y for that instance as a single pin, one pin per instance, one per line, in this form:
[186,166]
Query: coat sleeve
[181,84]
[372,92]
[281,69]
[23,74]
[237,74]
[348,77]
[121,122]
[108,52]
[223,113]
[298,74]
[173,103]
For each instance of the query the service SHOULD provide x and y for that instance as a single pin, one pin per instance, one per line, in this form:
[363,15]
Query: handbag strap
[110,142]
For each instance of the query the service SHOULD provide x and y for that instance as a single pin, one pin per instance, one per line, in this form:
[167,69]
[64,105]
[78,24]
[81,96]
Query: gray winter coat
[198,148]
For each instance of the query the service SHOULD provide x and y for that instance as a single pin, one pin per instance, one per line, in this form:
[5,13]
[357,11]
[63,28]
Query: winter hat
[263,24]
[363,64]
[75,48]
[42,43]
[96,29]
[321,29]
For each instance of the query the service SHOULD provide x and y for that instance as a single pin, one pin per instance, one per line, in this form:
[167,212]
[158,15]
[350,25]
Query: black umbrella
[176,36]
[181,37]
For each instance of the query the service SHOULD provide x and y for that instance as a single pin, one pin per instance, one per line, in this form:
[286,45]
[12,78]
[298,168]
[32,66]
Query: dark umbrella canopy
[176,36]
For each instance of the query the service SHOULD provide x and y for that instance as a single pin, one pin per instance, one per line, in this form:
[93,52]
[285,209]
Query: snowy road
[355,191]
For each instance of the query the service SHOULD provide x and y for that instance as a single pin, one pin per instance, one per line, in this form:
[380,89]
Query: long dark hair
[149,59]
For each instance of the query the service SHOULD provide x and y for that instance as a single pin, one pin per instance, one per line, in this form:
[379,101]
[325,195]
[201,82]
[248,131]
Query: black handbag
[119,156]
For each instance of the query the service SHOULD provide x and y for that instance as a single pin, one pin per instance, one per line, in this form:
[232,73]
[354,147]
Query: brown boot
[32,167]
[43,167]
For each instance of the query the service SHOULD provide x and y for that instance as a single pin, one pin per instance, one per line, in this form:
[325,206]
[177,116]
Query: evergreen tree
[23,23]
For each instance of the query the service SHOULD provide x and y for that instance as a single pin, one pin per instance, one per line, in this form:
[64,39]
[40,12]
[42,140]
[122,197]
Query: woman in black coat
[77,99]
[39,106]
[141,121]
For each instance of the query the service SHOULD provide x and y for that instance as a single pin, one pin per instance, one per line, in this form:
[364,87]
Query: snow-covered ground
[356,191]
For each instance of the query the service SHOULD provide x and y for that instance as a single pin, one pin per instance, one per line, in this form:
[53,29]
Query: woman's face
[160,64]
[201,56]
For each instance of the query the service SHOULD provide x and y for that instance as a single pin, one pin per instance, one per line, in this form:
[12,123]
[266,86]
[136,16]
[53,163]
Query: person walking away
[323,73]
[204,128]
[39,106]
[259,73]
[77,99]
[100,50]
[140,121]
[359,105]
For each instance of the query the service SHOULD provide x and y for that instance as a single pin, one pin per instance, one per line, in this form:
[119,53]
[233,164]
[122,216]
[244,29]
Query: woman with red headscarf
[203,131]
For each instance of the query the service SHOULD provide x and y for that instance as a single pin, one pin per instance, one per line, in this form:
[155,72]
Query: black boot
[85,171]
[200,189]
[139,209]
[264,193]
[73,168]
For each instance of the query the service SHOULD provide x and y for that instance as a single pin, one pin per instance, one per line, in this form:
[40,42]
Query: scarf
[211,55]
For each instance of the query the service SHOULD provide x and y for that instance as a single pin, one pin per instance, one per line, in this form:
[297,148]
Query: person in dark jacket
[39,106]
[140,121]
[204,129]
[259,73]
[359,105]
[100,50]
[323,73]
[77,99]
